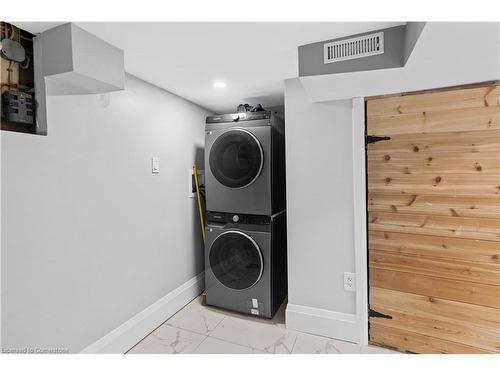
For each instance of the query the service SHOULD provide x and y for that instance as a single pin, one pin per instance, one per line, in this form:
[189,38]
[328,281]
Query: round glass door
[236,260]
[236,158]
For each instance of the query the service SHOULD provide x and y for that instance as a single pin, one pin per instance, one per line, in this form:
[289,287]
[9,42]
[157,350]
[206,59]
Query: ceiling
[253,59]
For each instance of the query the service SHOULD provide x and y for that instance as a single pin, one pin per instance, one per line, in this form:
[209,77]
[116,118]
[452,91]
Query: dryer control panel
[236,117]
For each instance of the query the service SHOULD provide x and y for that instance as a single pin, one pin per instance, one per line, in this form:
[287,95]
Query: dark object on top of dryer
[243,108]
[257,108]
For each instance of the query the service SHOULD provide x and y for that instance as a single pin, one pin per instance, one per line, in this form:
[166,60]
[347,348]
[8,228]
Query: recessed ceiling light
[219,85]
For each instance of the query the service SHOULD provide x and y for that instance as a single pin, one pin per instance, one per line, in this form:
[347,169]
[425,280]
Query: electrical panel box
[17,79]
[18,107]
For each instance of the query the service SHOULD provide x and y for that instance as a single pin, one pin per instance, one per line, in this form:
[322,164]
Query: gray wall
[319,200]
[412,35]
[89,236]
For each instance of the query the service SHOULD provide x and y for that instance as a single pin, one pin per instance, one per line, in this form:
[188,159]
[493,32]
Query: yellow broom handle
[195,172]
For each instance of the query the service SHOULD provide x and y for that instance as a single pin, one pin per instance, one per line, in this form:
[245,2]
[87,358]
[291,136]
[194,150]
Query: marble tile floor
[202,329]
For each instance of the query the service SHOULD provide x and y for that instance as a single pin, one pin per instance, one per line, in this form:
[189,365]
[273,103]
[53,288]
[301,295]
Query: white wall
[89,236]
[326,220]
[320,215]
[319,187]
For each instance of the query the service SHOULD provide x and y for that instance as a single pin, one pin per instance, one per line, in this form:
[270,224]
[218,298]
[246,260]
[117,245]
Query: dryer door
[236,158]
[236,260]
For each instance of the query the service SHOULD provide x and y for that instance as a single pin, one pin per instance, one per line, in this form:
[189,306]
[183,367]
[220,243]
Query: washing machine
[245,163]
[245,262]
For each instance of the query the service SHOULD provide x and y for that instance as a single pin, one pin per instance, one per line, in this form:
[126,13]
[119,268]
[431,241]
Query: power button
[236,218]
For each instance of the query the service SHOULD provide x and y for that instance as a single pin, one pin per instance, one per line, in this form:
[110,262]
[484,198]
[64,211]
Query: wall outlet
[350,281]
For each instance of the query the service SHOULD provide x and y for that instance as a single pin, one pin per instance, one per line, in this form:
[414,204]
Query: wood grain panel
[404,340]
[457,227]
[487,252]
[436,122]
[434,102]
[448,205]
[437,308]
[442,183]
[434,220]
[462,291]
[436,144]
[439,267]
[463,333]
[463,152]
[476,167]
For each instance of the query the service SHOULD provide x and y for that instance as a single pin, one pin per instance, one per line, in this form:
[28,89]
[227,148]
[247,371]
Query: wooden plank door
[434,220]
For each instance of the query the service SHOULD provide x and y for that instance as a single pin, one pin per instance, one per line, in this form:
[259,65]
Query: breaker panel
[17,88]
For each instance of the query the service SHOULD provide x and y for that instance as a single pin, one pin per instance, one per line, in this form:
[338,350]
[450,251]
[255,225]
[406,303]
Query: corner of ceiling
[412,36]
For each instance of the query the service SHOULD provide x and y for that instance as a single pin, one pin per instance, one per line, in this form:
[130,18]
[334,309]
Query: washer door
[236,260]
[236,158]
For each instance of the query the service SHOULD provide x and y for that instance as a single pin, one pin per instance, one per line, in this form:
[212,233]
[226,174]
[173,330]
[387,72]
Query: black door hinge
[375,138]
[376,314]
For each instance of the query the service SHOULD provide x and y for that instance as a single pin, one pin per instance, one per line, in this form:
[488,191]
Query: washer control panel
[224,218]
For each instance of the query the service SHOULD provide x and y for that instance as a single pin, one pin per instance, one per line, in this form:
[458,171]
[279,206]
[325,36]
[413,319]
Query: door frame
[360,208]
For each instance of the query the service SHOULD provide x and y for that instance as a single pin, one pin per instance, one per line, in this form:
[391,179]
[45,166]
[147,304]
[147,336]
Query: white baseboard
[322,322]
[124,337]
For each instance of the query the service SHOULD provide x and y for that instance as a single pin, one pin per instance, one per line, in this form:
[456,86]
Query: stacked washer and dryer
[245,248]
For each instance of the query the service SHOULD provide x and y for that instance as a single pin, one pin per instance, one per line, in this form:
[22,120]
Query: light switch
[155,164]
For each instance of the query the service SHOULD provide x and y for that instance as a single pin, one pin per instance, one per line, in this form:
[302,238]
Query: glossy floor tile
[263,336]
[215,346]
[311,344]
[208,330]
[168,340]
[196,318]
